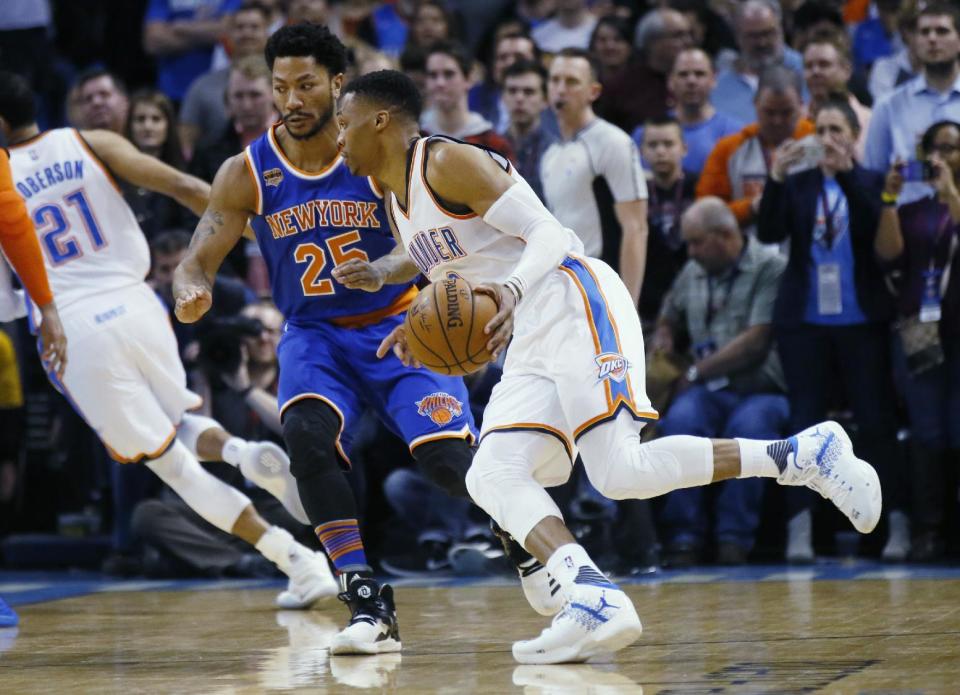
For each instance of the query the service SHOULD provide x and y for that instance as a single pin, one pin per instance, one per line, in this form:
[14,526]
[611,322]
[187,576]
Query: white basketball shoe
[821,457]
[539,587]
[597,618]
[310,580]
[268,466]
[373,626]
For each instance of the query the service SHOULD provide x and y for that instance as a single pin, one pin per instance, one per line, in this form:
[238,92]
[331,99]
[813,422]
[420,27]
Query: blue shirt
[733,94]
[839,253]
[871,41]
[700,138]
[310,222]
[899,121]
[176,71]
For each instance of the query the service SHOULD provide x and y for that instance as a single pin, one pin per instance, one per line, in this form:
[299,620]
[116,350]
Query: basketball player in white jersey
[124,374]
[573,380]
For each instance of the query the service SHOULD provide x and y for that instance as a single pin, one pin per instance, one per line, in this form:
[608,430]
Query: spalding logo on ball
[444,326]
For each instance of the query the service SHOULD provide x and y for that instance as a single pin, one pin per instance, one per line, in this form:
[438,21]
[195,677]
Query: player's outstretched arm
[232,201]
[140,169]
[395,268]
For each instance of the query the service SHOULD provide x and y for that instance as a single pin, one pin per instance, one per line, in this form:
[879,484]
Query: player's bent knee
[445,463]
[310,431]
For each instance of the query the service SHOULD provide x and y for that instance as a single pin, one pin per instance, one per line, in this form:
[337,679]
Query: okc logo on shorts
[440,407]
[611,365]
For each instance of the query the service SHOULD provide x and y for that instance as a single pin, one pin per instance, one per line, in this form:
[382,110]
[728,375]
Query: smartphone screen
[917,171]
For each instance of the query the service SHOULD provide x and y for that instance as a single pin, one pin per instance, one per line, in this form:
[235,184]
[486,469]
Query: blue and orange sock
[341,539]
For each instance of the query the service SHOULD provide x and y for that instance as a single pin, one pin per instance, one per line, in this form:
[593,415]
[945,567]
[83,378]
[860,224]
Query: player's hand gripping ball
[444,328]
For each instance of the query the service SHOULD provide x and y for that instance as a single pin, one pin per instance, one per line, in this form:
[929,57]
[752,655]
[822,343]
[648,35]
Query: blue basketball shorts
[340,367]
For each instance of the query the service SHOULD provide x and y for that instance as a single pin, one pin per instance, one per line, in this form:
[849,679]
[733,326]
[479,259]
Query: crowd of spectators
[776,183]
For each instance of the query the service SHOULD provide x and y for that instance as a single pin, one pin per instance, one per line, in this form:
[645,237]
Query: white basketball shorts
[124,375]
[576,361]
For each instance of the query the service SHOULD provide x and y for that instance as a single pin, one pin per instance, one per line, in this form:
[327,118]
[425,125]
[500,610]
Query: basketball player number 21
[316,257]
[53,224]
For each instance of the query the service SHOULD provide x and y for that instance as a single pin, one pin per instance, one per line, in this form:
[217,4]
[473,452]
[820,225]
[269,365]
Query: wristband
[514,286]
[888,198]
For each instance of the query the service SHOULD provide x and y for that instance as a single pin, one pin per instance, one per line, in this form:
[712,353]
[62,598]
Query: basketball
[445,324]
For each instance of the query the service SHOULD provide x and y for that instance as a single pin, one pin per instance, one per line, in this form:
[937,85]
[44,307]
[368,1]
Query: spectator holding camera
[723,300]
[833,311]
[899,120]
[921,239]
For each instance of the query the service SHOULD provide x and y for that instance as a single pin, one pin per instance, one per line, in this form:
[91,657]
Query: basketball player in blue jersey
[310,215]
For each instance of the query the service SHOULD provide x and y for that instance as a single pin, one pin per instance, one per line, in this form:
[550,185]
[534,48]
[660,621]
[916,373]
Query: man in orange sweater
[21,247]
[736,169]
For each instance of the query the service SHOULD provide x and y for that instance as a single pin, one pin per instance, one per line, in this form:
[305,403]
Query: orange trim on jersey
[437,203]
[303,396]
[463,433]
[143,456]
[534,427]
[96,160]
[253,177]
[401,304]
[373,185]
[612,412]
[271,132]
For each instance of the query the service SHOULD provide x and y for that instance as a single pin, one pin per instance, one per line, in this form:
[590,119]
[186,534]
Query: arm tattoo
[205,231]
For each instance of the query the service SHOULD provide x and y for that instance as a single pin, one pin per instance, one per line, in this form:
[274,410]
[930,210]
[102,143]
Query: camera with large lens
[221,340]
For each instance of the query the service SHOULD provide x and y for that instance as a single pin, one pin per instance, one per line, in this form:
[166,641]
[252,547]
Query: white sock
[755,458]
[566,561]
[233,449]
[277,545]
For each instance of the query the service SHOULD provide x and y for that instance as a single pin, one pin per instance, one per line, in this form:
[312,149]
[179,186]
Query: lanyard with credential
[828,214]
[726,296]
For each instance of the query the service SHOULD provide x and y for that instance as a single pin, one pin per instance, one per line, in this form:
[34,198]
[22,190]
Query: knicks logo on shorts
[440,407]
[611,365]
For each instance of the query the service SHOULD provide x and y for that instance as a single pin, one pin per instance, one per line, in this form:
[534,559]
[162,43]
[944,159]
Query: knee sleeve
[620,467]
[445,463]
[191,427]
[501,482]
[206,494]
[310,431]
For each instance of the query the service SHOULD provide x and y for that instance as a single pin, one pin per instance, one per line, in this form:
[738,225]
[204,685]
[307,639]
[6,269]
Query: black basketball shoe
[373,626]
[542,590]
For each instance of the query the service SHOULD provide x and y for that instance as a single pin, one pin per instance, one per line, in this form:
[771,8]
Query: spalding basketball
[444,327]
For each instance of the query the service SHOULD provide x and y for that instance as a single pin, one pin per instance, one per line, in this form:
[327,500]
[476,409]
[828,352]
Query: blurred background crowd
[814,281]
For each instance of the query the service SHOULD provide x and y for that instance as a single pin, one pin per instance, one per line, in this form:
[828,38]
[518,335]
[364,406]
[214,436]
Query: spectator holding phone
[921,239]
[833,309]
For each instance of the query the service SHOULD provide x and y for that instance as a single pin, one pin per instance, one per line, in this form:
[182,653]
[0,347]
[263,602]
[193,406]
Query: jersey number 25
[316,258]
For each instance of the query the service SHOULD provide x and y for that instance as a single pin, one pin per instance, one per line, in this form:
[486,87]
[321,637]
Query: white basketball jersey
[439,240]
[90,239]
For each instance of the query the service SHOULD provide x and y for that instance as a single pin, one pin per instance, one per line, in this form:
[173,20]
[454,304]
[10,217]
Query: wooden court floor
[799,636]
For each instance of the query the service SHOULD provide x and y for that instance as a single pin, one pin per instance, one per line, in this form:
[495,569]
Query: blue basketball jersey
[308,223]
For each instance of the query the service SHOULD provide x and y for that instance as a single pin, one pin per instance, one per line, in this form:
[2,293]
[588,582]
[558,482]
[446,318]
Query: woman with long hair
[151,127]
